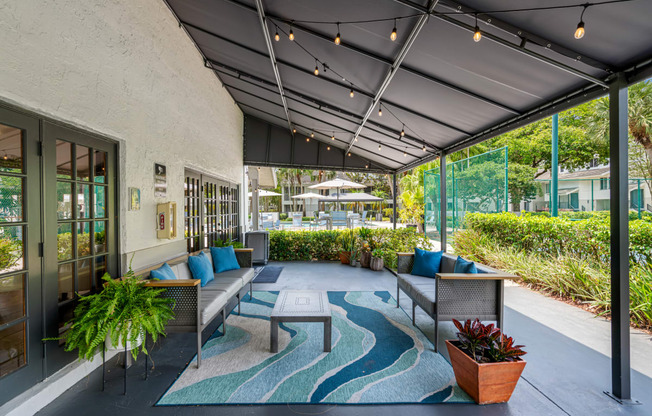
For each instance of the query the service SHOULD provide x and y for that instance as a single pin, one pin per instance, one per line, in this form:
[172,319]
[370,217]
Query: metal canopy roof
[449,91]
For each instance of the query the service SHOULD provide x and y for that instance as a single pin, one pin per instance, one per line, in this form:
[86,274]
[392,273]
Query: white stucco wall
[124,69]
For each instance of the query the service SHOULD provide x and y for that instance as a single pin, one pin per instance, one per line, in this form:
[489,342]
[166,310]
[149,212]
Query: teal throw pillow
[163,273]
[464,266]
[426,263]
[224,259]
[200,267]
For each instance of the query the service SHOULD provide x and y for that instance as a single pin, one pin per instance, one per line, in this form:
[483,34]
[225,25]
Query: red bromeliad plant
[485,343]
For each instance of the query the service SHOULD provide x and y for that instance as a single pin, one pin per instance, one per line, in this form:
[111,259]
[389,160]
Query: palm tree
[639,114]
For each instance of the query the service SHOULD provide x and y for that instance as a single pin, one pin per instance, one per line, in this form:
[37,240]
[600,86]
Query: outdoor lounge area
[139,274]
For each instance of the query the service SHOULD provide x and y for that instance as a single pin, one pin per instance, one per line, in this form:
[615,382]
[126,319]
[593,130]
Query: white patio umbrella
[308,195]
[263,192]
[338,184]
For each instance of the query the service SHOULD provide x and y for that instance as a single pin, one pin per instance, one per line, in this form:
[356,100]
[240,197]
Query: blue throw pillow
[426,263]
[163,273]
[464,266]
[200,267]
[224,259]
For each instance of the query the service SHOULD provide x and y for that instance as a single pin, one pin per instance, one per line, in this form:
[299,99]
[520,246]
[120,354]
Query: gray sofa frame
[452,295]
[187,296]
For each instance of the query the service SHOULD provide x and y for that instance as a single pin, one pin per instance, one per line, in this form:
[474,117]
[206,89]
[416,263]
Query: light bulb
[337,39]
[394,35]
[380,111]
[424,148]
[316,70]
[312,134]
[349,154]
[402,132]
[291,35]
[307,139]
[277,37]
[366,166]
[579,32]
[404,154]
[380,147]
[333,137]
[328,148]
[351,93]
[477,35]
[294,130]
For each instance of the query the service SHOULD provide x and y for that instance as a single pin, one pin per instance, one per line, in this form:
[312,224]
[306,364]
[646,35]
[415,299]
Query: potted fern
[486,362]
[119,316]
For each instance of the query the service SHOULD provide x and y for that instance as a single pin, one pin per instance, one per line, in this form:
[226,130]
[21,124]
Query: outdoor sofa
[197,306]
[453,295]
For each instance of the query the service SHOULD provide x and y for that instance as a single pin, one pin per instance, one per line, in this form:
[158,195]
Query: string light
[366,166]
[380,109]
[349,154]
[307,139]
[337,37]
[316,68]
[294,130]
[351,93]
[405,152]
[312,134]
[333,136]
[477,35]
[277,37]
[579,32]
[403,131]
[291,34]
[380,147]
[424,148]
[394,35]
[328,148]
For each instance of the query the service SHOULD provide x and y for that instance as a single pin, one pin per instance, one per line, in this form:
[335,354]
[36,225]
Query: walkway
[568,364]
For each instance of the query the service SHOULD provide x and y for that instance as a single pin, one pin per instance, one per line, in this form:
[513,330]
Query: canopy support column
[620,349]
[394,192]
[255,208]
[442,200]
[554,168]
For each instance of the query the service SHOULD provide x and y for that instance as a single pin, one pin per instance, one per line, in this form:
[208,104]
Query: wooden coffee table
[301,306]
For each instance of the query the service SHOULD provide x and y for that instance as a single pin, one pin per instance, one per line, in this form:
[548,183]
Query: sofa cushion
[447,264]
[245,275]
[224,259]
[464,266]
[421,289]
[201,268]
[426,263]
[182,271]
[230,286]
[211,303]
[164,272]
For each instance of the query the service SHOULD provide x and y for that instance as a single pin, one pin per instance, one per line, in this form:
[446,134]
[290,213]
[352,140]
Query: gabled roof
[593,173]
[447,90]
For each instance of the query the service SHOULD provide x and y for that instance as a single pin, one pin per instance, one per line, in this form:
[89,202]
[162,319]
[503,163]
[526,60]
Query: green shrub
[586,239]
[283,216]
[325,245]
[11,251]
[580,280]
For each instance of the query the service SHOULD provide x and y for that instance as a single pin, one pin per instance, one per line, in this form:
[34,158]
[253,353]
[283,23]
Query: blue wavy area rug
[377,357]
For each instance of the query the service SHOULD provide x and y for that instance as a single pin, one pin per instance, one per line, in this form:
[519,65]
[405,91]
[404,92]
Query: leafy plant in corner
[125,310]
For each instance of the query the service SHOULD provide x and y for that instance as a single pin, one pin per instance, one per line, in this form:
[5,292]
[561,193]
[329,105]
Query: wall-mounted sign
[134,199]
[160,181]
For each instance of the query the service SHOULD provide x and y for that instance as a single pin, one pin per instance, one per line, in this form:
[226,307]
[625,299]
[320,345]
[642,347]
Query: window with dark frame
[211,211]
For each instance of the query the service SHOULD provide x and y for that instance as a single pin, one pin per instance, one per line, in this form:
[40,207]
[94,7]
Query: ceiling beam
[272,58]
[405,48]
[510,45]
[376,57]
[342,85]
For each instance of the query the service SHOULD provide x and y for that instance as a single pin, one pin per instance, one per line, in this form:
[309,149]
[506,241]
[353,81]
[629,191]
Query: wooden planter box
[345,257]
[485,383]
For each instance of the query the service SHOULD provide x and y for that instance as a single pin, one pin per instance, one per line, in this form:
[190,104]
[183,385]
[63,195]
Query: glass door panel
[21,349]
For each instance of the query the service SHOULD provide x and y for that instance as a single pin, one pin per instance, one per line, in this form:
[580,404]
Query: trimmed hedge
[324,245]
[584,239]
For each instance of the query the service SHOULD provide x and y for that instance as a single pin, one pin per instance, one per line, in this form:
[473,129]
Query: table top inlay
[302,303]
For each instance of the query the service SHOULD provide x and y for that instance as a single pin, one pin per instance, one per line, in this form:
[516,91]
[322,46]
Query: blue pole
[554,168]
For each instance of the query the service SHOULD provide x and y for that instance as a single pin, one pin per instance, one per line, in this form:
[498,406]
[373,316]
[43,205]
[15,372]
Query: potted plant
[377,263]
[486,362]
[347,241]
[366,245]
[119,316]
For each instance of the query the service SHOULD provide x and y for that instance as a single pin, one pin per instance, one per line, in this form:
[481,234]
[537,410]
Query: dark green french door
[80,221]
[21,349]
[57,238]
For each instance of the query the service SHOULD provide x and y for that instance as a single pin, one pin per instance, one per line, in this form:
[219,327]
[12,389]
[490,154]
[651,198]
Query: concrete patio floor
[568,361]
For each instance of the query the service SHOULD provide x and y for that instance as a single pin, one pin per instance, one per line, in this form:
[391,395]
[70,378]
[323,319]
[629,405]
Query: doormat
[269,274]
